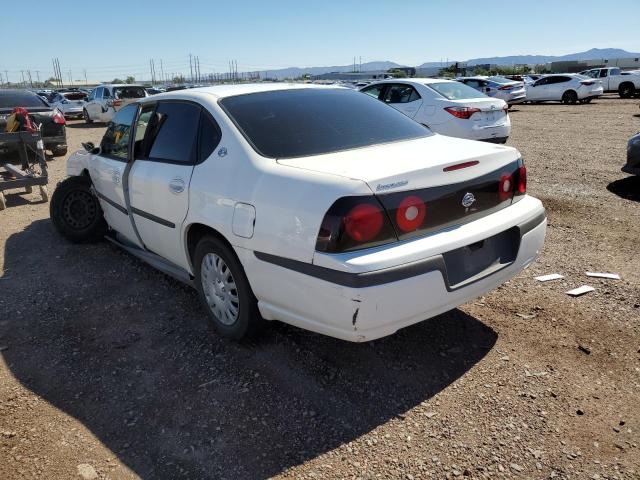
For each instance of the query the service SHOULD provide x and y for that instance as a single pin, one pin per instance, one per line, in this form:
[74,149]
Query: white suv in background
[105,100]
[446,107]
[565,87]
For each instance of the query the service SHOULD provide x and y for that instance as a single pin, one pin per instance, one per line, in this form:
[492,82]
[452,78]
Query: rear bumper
[371,295]
[57,141]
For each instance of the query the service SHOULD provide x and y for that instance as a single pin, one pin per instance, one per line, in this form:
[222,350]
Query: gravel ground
[107,369]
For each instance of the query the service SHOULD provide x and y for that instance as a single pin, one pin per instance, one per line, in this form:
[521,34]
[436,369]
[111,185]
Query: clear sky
[118,38]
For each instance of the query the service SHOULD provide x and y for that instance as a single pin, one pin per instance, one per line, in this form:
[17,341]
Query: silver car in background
[69,103]
[511,91]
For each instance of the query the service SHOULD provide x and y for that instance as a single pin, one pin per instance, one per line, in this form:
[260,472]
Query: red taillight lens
[505,186]
[353,223]
[522,179]
[462,112]
[410,213]
[363,222]
[587,82]
[58,118]
[506,87]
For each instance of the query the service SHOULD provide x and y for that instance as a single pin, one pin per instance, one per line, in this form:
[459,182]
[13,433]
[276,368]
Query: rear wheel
[626,90]
[569,97]
[85,114]
[76,212]
[224,290]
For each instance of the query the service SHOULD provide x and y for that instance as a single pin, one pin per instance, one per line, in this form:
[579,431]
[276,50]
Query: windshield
[455,90]
[305,121]
[21,99]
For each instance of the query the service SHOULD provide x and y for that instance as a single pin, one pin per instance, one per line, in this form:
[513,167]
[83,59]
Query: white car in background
[70,104]
[317,206]
[446,107]
[105,100]
[568,88]
[511,91]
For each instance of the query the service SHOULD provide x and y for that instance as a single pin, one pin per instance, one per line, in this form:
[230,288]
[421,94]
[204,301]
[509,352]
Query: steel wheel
[79,209]
[219,288]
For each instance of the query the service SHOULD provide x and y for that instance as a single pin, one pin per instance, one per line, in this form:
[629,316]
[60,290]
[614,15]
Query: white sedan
[446,107]
[568,88]
[317,206]
[69,103]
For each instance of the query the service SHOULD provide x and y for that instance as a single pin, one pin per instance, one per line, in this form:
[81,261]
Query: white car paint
[428,107]
[554,87]
[103,102]
[615,80]
[275,207]
[511,91]
[69,103]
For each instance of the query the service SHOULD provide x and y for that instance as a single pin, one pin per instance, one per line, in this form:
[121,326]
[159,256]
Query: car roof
[222,91]
[119,85]
[14,91]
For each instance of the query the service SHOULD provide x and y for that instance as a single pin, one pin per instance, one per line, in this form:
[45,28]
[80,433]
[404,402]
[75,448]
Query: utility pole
[191,68]
[70,78]
[360,67]
[86,83]
[30,80]
[164,80]
[6,77]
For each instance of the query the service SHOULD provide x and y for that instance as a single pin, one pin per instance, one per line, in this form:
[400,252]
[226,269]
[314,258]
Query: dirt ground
[107,368]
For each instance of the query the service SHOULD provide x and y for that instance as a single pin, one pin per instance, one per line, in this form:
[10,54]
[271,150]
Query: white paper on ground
[548,278]
[576,292]
[613,276]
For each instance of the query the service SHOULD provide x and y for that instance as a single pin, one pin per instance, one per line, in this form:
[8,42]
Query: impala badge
[468,200]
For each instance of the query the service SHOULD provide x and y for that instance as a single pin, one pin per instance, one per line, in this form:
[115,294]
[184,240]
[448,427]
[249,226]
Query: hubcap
[219,289]
[79,209]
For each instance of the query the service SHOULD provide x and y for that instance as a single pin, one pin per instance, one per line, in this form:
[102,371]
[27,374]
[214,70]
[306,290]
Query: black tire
[59,152]
[85,114]
[626,90]
[76,212]
[569,97]
[247,321]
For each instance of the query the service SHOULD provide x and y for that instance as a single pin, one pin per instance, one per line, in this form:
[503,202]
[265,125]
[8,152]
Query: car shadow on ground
[627,187]
[125,350]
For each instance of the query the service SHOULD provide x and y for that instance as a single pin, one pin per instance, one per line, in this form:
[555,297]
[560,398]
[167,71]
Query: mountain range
[594,53]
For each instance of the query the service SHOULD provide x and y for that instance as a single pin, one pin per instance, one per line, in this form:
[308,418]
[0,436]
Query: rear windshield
[129,92]
[75,96]
[21,99]
[303,122]
[455,90]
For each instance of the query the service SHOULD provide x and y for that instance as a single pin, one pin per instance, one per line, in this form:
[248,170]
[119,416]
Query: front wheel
[76,212]
[224,290]
[569,97]
[85,114]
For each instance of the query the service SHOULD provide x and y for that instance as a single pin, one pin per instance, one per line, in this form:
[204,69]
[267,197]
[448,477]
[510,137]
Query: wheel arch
[194,232]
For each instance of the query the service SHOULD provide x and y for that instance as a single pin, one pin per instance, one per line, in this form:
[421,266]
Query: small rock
[579,412]
[87,471]
[584,349]
[516,467]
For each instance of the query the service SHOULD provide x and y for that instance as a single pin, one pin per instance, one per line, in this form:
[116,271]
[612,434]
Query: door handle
[176,185]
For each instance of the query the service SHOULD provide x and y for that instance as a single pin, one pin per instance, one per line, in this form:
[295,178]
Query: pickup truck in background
[627,84]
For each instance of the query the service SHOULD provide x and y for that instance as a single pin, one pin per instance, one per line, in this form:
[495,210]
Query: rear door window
[129,92]
[173,132]
[603,73]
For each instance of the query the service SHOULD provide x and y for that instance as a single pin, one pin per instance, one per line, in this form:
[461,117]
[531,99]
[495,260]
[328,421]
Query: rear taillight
[522,179]
[587,82]
[506,87]
[462,112]
[58,118]
[505,186]
[117,103]
[411,213]
[353,223]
